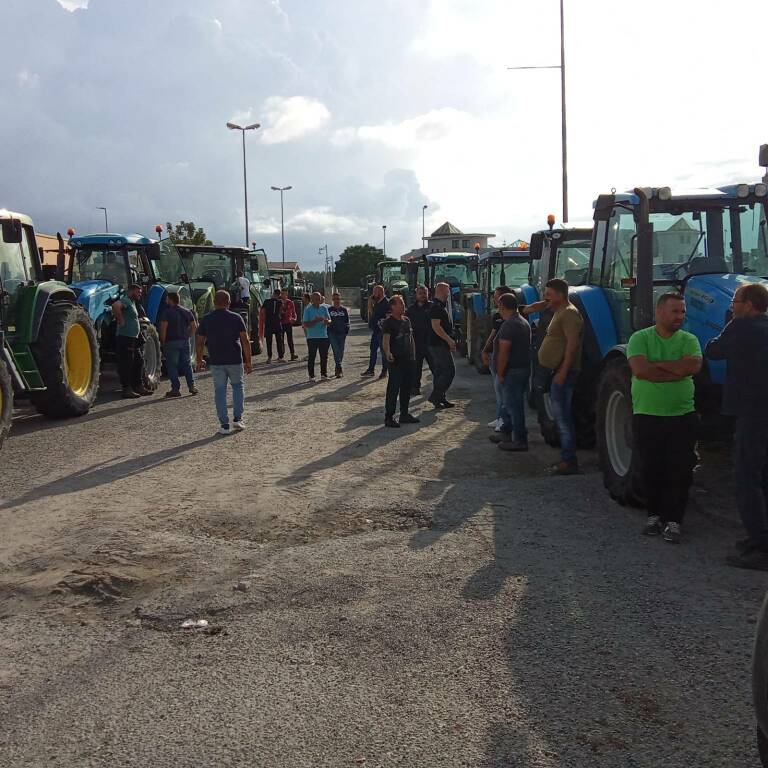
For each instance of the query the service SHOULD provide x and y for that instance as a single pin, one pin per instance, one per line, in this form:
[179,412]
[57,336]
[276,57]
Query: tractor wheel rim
[78,360]
[546,401]
[151,361]
[617,425]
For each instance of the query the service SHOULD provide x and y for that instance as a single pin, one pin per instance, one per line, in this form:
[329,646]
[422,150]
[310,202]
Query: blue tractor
[704,244]
[100,269]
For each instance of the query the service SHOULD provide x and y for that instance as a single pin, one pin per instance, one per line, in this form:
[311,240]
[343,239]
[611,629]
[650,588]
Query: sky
[369,109]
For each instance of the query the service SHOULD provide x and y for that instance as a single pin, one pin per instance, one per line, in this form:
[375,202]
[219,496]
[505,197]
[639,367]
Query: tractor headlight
[742,190]
[761,190]
[664,193]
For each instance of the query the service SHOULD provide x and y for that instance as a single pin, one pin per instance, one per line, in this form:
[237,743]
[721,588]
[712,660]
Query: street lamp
[561,67]
[252,127]
[384,228]
[106,221]
[282,217]
[423,208]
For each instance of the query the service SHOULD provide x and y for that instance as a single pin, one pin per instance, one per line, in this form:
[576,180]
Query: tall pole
[282,226]
[384,227]
[106,221]
[562,113]
[423,238]
[245,190]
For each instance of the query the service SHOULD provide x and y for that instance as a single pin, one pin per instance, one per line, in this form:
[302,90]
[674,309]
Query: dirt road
[374,597]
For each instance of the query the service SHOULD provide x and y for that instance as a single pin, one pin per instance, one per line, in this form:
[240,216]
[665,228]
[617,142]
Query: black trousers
[288,331]
[667,452]
[399,385]
[280,343]
[313,347]
[750,469]
[443,371]
[130,362]
[422,356]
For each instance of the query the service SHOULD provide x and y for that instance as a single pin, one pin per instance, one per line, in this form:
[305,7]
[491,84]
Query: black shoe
[653,526]
[446,404]
[514,446]
[367,373]
[144,391]
[129,394]
[754,560]
[383,375]
[744,546]
[173,393]
[193,391]
[407,418]
[500,437]
[392,422]
[438,406]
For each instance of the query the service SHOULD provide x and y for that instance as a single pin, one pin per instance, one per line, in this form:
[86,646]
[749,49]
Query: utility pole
[423,238]
[252,127]
[106,221]
[282,217]
[384,229]
[564,148]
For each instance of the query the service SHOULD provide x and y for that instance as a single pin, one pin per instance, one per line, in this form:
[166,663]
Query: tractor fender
[155,301]
[33,303]
[530,296]
[599,325]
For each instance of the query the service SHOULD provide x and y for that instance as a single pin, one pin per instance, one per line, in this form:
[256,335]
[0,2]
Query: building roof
[294,265]
[446,229]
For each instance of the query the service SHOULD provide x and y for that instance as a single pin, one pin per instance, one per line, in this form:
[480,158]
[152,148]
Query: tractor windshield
[212,267]
[511,273]
[456,274]
[754,240]
[13,270]
[167,265]
[391,273]
[97,264]
[572,261]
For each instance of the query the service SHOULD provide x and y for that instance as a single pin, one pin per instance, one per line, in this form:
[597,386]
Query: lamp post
[106,221]
[561,67]
[282,217]
[423,238]
[243,129]
[384,229]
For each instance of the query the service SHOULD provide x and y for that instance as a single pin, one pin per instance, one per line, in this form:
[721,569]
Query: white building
[450,238]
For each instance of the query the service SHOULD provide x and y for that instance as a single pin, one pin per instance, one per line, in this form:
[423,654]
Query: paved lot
[411,597]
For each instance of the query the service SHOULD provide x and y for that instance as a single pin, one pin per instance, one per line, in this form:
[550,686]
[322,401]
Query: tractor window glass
[619,249]
[392,272]
[135,265]
[168,267]
[209,267]
[754,239]
[513,274]
[421,275]
[13,269]
[573,261]
[456,275]
[681,245]
[99,265]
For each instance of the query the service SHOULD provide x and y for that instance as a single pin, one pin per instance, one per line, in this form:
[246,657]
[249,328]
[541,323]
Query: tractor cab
[288,280]
[257,271]
[558,252]
[366,287]
[393,275]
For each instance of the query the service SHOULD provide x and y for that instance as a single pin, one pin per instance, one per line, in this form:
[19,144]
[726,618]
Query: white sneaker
[323,378]
[499,426]
[312,379]
[225,430]
[238,426]
[495,423]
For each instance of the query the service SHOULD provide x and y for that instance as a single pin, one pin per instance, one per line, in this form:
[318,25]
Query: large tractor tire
[6,402]
[760,682]
[547,425]
[67,356]
[153,358]
[619,464]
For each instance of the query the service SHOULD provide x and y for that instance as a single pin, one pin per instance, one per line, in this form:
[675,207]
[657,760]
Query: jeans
[288,331]
[375,348]
[314,346]
[130,362]
[750,467]
[178,362]
[666,446]
[234,374]
[338,342]
[399,385]
[443,371]
[560,398]
[422,355]
[497,390]
[513,392]
[280,343]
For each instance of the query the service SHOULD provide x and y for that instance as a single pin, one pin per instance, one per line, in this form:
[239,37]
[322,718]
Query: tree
[187,233]
[356,262]
[314,277]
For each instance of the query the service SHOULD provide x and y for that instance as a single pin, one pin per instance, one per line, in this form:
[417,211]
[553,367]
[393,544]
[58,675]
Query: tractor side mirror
[537,246]
[763,161]
[11,231]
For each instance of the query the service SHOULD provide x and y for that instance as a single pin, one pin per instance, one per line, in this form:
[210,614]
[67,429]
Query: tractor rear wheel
[6,402]
[619,464]
[67,355]
[153,357]
[547,425]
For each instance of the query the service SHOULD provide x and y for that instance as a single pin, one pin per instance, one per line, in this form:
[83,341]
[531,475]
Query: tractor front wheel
[6,402]
[67,356]
[153,358]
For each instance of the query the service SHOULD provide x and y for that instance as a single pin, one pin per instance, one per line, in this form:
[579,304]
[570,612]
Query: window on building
[455,244]
[465,243]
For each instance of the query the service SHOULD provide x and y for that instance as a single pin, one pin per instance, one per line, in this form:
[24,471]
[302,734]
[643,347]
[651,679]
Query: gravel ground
[373,597]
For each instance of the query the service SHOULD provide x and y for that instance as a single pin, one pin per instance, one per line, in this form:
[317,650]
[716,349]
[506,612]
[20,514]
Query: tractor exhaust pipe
[642,303]
[60,258]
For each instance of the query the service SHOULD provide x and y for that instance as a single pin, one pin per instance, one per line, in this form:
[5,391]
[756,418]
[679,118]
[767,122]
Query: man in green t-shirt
[663,360]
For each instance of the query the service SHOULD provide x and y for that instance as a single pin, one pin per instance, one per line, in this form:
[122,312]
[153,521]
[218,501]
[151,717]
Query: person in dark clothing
[271,321]
[379,310]
[744,345]
[512,366]
[441,347]
[177,326]
[400,352]
[338,331]
[418,314]
[287,320]
[487,356]
[130,357]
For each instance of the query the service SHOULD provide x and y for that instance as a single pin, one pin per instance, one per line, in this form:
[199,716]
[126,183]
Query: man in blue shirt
[315,323]
[337,331]
[177,325]
[226,337]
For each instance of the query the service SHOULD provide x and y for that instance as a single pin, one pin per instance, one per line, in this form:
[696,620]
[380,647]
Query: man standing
[244,286]
[270,320]
[177,326]
[487,356]
[441,347]
[338,331]
[560,353]
[512,367]
[400,352]
[418,314]
[378,311]
[225,335]
[315,323]
[744,345]
[287,320]
[663,360]
[130,360]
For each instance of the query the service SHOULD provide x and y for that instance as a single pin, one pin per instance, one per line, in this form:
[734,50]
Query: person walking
[743,344]
[229,356]
[130,358]
[400,351]
[441,347]
[560,354]
[663,359]
[287,320]
[244,288]
[315,323]
[512,367]
[418,314]
[270,320]
[338,331]
[379,309]
[486,356]
[177,327]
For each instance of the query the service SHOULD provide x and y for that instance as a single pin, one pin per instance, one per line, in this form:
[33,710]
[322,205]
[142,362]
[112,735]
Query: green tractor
[393,276]
[48,347]
[289,280]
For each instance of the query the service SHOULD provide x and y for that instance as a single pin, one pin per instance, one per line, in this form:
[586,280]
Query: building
[294,265]
[451,238]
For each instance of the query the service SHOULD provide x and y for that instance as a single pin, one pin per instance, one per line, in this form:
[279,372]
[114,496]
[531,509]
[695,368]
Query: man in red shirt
[288,319]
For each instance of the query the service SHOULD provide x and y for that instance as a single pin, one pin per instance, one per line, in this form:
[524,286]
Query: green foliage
[187,233]
[316,278]
[356,262]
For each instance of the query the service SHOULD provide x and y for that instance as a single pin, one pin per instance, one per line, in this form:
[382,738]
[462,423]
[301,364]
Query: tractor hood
[87,288]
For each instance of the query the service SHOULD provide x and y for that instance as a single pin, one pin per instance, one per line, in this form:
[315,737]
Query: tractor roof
[506,254]
[443,256]
[576,226]
[22,217]
[185,248]
[112,240]
[725,193]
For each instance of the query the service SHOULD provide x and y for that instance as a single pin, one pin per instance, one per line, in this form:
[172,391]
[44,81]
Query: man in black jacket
[379,311]
[418,314]
[441,347]
[744,345]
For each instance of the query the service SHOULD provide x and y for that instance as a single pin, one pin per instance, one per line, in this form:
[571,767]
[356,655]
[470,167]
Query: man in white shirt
[245,287]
